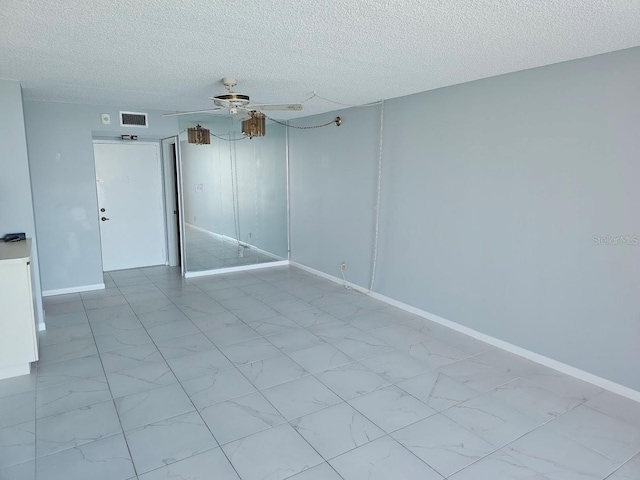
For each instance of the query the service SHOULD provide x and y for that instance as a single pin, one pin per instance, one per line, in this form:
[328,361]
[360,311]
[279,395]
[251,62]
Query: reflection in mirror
[234,195]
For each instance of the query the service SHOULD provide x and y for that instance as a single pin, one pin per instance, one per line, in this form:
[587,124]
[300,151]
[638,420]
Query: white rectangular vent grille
[133,119]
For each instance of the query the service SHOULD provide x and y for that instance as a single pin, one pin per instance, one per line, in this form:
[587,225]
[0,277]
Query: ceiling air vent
[133,119]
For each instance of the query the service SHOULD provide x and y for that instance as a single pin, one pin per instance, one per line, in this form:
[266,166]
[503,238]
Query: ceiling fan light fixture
[254,126]
[199,135]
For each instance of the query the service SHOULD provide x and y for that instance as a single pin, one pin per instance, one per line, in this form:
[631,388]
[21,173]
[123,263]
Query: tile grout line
[265,336]
[283,287]
[186,394]
[113,400]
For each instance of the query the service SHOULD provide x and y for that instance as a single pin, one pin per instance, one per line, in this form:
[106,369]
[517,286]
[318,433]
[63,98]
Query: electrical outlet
[343,266]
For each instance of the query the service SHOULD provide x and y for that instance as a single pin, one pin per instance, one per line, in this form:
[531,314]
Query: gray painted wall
[59,137]
[493,192]
[333,184]
[261,177]
[16,205]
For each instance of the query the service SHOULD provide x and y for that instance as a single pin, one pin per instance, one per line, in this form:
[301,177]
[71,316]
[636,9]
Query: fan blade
[275,106]
[189,113]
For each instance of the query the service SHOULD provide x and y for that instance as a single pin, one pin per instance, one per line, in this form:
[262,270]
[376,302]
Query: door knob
[104,219]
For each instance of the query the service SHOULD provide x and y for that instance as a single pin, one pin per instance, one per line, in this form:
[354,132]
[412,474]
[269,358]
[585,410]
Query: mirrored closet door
[234,194]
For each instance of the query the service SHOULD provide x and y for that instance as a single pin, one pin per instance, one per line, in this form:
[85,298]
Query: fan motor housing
[236,99]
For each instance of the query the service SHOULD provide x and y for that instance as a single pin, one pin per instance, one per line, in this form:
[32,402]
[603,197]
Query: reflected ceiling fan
[238,105]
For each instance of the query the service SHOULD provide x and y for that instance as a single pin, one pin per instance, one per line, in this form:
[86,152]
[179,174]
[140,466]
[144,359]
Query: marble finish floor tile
[399,335]
[336,430]
[498,465]
[23,471]
[208,465]
[105,459]
[391,408]
[273,325]
[168,441]
[67,351]
[443,444]
[361,346]
[72,395]
[272,371]
[216,321]
[214,388]
[198,364]
[139,379]
[629,471]
[533,400]
[464,343]
[396,366]
[17,444]
[382,459]
[250,351]
[16,409]
[76,427]
[232,334]
[320,358]
[151,406]
[600,432]
[116,325]
[178,328]
[476,375]
[294,340]
[491,420]
[616,406]
[324,471]
[122,339]
[68,371]
[186,345]
[109,313]
[240,417]
[352,380]
[311,317]
[257,313]
[132,357]
[283,368]
[66,320]
[273,454]
[21,384]
[437,390]
[300,397]
[557,457]
[56,336]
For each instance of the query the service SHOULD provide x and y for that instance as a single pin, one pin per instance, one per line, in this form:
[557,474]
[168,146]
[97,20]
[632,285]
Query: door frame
[173,200]
[159,158]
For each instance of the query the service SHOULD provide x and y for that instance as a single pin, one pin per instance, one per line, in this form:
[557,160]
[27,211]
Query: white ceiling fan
[238,105]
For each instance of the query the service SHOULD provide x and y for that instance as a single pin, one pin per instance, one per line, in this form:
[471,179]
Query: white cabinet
[18,322]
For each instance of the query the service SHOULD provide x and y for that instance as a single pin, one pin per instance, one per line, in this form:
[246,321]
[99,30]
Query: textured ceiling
[171,54]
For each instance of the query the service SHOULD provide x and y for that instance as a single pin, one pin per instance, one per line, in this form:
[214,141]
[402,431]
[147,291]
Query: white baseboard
[230,239]
[83,288]
[353,286]
[496,342]
[240,268]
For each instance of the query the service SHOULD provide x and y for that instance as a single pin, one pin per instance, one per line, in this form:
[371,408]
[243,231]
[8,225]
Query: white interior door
[130,204]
